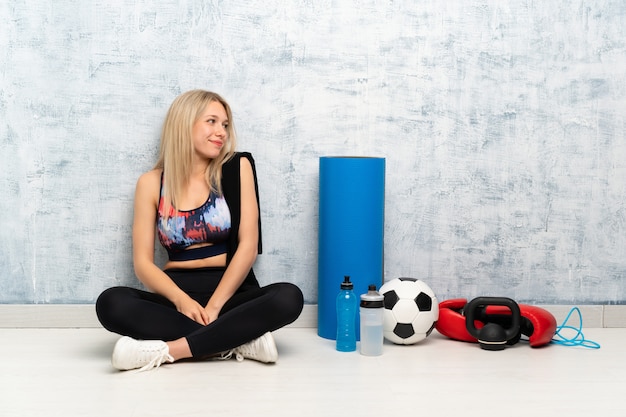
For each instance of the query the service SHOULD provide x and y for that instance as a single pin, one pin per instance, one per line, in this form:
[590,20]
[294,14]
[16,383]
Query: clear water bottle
[371,315]
[346,317]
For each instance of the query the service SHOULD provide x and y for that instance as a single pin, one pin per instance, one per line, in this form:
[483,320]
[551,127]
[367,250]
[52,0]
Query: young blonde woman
[201,201]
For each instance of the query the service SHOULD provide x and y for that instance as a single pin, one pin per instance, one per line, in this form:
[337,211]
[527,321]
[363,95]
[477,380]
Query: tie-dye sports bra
[209,223]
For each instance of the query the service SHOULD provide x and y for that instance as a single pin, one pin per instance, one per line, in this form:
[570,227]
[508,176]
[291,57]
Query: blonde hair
[176,150]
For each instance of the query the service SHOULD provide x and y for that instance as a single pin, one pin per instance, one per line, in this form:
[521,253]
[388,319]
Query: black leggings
[248,314]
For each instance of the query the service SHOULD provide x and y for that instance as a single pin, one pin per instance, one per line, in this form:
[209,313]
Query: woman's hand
[190,308]
[212,312]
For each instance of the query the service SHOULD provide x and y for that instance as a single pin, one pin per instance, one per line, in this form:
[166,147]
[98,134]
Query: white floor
[67,372]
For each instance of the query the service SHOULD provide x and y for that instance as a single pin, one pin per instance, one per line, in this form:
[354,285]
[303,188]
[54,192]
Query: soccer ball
[411,310]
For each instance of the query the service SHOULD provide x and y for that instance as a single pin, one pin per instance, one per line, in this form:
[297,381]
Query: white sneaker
[143,354]
[262,349]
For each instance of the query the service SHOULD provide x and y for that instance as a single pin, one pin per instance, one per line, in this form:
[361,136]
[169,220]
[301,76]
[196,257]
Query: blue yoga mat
[351,223]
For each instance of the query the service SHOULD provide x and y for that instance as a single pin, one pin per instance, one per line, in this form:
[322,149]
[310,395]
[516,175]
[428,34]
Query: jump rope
[577,338]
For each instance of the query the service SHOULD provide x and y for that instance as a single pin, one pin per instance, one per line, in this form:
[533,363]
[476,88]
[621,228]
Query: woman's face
[209,132]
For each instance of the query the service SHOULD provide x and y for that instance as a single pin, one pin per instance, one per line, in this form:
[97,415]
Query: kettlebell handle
[477,304]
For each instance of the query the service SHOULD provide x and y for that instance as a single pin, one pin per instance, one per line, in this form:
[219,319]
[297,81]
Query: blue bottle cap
[346,284]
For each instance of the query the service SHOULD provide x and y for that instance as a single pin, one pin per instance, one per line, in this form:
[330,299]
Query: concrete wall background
[502,123]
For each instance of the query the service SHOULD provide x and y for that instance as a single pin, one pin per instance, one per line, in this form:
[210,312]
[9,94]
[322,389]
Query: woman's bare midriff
[212,261]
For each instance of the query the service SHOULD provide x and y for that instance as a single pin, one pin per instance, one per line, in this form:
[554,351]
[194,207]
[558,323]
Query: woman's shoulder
[150,179]
[237,156]
[235,161]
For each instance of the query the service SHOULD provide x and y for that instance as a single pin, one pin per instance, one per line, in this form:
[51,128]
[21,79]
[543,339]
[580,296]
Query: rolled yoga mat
[351,223]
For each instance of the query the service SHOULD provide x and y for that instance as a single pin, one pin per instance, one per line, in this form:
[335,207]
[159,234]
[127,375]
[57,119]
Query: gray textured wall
[502,123]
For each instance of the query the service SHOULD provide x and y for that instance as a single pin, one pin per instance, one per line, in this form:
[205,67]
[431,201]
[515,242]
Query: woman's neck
[199,169]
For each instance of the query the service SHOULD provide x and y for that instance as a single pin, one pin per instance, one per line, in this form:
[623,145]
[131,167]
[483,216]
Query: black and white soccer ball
[411,310]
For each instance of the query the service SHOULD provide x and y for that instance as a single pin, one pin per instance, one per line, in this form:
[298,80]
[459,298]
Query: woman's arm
[247,250]
[146,203]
